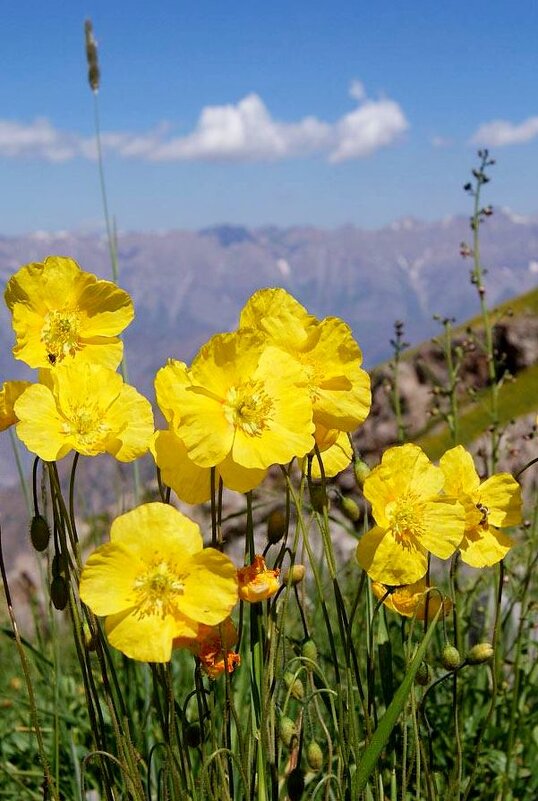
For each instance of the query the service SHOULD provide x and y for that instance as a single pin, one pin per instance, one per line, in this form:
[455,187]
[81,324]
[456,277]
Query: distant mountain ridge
[188,285]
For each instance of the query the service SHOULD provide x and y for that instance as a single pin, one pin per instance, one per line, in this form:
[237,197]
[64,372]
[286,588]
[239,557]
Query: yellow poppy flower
[61,313]
[410,600]
[155,582]
[490,505]
[86,408]
[257,582]
[189,481]
[245,401]
[10,392]
[329,356]
[412,518]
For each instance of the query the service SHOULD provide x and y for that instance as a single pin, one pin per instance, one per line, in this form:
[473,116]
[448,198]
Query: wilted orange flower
[256,581]
[410,599]
[213,646]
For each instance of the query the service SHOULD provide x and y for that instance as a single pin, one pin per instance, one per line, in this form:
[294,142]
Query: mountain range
[188,285]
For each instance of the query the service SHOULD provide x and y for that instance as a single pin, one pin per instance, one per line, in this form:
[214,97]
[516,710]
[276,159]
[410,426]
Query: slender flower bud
[39,532]
[94,74]
[287,731]
[349,508]
[59,592]
[309,650]
[480,653]
[314,756]
[294,685]
[193,735]
[362,471]
[318,497]
[423,674]
[276,526]
[450,657]
[295,574]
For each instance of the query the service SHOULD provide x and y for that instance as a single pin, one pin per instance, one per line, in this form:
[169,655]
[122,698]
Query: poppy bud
[362,471]
[294,685]
[314,756]
[480,653]
[287,731]
[39,532]
[295,574]
[276,526]
[59,592]
[349,508]
[309,650]
[450,657]
[423,675]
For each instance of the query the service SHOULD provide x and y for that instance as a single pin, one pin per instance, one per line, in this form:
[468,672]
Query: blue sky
[257,113]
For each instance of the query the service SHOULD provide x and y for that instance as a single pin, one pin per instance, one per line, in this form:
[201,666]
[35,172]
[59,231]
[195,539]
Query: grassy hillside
[516,398]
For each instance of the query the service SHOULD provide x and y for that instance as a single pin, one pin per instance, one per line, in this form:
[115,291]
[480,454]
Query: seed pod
[295,784]
[480,653]
[309,650]
[295,574]
[91,56]
[59,592]
[314,756]
[39,532]
[276,526]
[450,657]
[295,685]
[422,675]
[362,471]
[349,508]
[287,731]
[193,735]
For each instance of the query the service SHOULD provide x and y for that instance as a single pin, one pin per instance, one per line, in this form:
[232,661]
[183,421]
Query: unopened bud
[294,575]
[90,638]
[276,526]
[314,756]
[91,56]
[318,497]
[450,657]
[294,685]
[287,731]
[59,592]
[362,471]
[480,653]
[349,508]
[422,675]
[39,532]
[310,650]
[295,784]
[193,735]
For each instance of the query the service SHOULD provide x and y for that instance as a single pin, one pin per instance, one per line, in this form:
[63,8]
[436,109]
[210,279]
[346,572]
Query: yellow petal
[444,524]
[170,384]
[388,561]
[40,425]
[335,458]
[10,392]
[108,578]
[459,471]
[190,482]
[131,420]
[279,316]
[238,478]
[147,639]
[489,547]
[156,525]
[210,588]
[501,495]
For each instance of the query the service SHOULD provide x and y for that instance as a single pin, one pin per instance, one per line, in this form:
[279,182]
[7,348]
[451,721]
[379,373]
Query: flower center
[85,424]
[158,590]
[249,408]
[60,334]
[406,519]
[484,511]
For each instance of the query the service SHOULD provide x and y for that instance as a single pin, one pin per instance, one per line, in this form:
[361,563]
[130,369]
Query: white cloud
[499,133]
[441,141]
[244,131]
[375,124]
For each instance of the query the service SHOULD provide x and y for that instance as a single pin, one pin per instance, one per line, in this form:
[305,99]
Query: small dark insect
[485,511]
[51,357]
